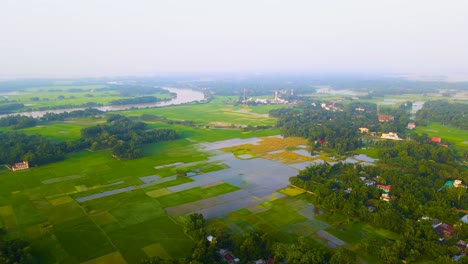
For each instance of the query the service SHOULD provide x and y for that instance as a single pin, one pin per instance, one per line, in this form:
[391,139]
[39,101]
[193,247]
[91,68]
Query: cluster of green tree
[10,107]
[17,121]
[327,129]
[88,112]
[255,128]
[252,246]
[124,136]
[15,252]
[401,118]
[337,128]
[454,114]
[416,173]
[36,149]
[136,100]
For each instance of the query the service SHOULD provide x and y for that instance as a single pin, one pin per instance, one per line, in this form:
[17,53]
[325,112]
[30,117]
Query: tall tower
[276,94]
[245,90]
[292,91]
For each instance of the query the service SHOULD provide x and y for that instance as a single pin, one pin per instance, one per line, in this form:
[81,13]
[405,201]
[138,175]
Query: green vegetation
[448,133]
[219,111]
[44,205]
[195,194]
[67,96]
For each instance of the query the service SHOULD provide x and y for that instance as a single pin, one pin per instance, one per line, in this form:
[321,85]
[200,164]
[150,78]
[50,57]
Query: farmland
[94,208]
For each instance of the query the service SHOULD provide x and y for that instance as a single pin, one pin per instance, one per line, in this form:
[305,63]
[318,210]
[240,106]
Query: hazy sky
[123,37]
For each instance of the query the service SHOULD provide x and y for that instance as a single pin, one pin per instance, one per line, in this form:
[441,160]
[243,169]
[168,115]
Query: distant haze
[74,38]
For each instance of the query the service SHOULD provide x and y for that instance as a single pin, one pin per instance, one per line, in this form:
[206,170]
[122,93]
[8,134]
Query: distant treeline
[88,112]
[10,107]
[128,90]
[17,85]
[454,114]
[136,100]
[260,89]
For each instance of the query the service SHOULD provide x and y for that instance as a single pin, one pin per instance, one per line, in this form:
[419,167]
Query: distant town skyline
[89,38]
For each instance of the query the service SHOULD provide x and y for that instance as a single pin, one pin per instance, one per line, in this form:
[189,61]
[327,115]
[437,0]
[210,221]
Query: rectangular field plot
[155,250]
[132,240]
[290,191]
[114,258]
[188,208]
[61,200]
[354,232]
[280,217]
[82,239]
[195,194]
[102,218]
[137,212]
[7,217]
[65,212]
[158,193]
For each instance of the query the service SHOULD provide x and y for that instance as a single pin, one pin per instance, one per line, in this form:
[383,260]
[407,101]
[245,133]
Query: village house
[411,126]
[391,135]
[363,130]
[385,188]
[457,183]
[436,139]
[443,230]
[386,197]
[227,256]
[464,219]
[20,166]
[384,118]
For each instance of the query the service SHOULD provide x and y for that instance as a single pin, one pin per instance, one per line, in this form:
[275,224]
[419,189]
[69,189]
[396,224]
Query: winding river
[183,96]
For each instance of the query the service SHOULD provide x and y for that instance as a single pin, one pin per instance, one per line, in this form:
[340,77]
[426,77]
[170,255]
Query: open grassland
[60,131]
[454,135]
[219,110]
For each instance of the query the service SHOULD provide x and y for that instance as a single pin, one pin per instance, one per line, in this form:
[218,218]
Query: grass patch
[155,250]
[195,194]
[158,193]
[137,212]
[370,152]
[290,191]
[131,240]
[8,218]
[220,109]
[454,135]
[82,239]
[114,258]
[61,200]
